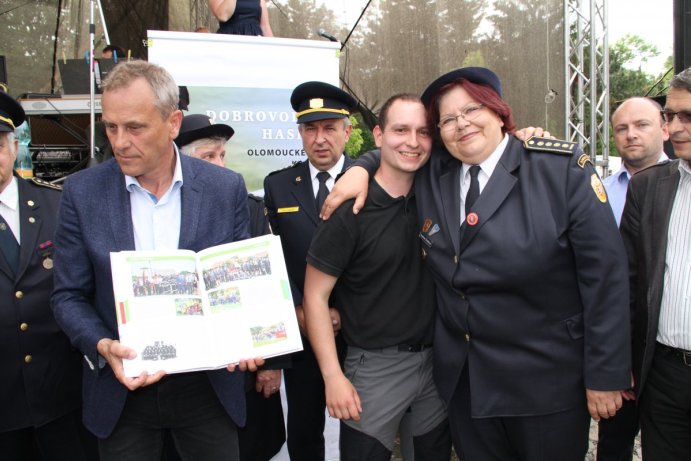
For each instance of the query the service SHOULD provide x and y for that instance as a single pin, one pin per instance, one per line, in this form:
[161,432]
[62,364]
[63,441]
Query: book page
[181,312]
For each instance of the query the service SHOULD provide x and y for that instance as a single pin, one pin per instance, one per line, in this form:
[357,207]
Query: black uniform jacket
[533,296]
[40,373]
[292,211]
[645,227]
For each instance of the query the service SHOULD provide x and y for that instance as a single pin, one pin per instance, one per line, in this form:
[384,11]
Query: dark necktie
[473,190]
[323,191]
[8,245]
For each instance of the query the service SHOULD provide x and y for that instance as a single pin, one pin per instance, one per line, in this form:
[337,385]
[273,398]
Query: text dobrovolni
[267,134]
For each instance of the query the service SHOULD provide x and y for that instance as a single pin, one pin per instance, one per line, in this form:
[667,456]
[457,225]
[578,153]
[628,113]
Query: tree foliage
[626,75]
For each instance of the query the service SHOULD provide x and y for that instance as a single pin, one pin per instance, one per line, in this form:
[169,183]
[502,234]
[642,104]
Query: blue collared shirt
[616,186]
[156,223]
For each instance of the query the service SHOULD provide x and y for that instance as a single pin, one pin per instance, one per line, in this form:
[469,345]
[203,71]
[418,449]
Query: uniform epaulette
[254,197]
[40,182]
[554,146]
[285,168]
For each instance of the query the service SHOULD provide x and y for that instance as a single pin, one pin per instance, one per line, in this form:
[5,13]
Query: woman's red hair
[483,94]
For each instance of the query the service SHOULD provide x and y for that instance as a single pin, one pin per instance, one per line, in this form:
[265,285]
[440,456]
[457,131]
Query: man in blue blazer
[147,198]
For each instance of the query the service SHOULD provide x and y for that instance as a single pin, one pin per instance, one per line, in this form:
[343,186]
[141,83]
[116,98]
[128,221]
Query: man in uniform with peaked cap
[293,197]
[40,379]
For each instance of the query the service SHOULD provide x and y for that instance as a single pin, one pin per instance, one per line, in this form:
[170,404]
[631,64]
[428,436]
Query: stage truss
[586,86]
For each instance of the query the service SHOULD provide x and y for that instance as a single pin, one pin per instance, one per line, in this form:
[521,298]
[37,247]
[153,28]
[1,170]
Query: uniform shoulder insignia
[554,146]
[40,182]
[284,169]
[255,198]
[583,160]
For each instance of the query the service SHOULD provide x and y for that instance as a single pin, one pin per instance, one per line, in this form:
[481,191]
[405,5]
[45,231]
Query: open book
[185,311]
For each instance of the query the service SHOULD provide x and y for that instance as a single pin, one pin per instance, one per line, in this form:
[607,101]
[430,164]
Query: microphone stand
[92,76]
[92,73]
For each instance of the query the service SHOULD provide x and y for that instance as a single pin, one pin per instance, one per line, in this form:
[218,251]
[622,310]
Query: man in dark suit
[147,198]
[656,225]
[40,391]
[639,135]
[293,197]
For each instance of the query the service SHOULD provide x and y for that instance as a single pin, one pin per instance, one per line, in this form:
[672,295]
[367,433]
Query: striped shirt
[675,312]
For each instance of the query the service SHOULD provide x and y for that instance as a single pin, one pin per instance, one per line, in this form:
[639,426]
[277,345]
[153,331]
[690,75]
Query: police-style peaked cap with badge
[314,101]
[198,126]
[561,147]
[11,113]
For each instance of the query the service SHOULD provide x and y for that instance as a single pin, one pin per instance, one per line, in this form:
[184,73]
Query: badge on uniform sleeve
[583,160]
[598,187]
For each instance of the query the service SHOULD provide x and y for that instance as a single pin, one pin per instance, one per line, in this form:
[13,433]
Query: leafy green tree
[302,19]
[625,79]
[361,139]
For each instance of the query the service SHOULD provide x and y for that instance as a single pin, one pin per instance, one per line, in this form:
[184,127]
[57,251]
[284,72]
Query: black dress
[245,20]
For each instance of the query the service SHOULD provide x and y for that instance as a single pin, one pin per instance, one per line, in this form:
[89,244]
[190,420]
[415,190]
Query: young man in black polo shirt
[370,265]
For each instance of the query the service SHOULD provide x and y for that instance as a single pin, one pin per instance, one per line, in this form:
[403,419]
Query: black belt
[681,353]
[413,347]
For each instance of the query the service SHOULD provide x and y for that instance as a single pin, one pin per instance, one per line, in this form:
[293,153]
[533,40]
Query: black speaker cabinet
[3,71]
[682,35]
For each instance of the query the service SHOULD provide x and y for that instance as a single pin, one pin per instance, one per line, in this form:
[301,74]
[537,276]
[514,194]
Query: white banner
[245,82]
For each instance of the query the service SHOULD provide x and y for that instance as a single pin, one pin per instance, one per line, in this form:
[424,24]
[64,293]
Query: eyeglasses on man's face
[468,113]
[683,116]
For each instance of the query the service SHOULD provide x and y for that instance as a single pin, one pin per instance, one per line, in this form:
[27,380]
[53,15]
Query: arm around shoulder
[352,184]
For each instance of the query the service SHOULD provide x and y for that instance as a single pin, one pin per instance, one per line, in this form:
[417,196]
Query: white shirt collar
[490,162]
[10,196]
[622,168]
[131,181]
[333,171]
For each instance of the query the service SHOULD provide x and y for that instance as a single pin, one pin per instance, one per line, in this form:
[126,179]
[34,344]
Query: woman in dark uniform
[241,17]
[532,335]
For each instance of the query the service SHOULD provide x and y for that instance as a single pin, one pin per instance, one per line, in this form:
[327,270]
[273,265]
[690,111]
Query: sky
[655,24]
[651,20]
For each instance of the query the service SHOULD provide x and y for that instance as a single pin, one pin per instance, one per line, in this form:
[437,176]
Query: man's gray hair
[9,138]
[190,149]
[682,80]
[161,82]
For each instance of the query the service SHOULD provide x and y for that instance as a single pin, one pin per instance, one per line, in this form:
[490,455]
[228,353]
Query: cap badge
[316,103]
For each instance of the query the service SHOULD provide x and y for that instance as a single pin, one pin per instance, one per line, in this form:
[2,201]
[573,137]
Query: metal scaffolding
[586,86]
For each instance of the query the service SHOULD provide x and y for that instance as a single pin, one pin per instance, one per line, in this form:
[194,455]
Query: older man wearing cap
[264,432]
[293,197]
[40,388]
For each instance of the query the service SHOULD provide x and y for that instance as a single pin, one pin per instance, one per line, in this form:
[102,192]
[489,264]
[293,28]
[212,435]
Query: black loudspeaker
[682,35]
[3,71]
